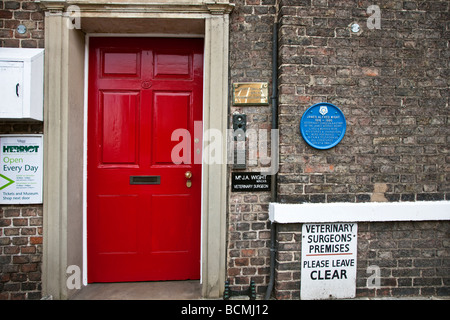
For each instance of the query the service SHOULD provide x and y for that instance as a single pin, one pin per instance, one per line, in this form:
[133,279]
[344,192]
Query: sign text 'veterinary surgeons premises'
[21,169]
[328,269]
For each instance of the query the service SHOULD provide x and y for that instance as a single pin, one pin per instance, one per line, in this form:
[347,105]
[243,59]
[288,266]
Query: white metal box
[21,83]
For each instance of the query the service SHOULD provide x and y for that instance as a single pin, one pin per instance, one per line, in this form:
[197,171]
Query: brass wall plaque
[250,93]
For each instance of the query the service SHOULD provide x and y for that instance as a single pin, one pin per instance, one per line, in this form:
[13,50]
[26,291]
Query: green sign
[21,169]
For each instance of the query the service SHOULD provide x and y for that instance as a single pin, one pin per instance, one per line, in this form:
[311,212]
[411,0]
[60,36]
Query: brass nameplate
[250,93]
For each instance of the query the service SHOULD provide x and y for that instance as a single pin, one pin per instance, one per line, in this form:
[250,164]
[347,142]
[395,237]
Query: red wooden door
[143,219]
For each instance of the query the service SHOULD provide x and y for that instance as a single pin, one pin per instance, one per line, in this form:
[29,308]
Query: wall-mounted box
[21,83]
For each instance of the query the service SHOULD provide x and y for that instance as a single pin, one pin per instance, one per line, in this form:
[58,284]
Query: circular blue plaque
[323,125]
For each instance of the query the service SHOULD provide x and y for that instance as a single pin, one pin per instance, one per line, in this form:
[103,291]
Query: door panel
[176,238]
[119,64]
[167,104]
[172,65]
[120,125]
[119,216]
[143,218]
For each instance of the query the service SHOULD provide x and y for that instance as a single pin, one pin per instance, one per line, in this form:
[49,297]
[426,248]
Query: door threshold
[154,290]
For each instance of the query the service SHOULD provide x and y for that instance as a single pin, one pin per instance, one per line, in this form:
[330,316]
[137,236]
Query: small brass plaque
[250,93]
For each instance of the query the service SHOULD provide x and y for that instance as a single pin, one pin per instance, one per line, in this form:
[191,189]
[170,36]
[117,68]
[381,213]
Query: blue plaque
[323,125]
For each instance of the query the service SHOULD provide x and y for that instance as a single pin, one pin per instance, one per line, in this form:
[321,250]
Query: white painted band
[359,212]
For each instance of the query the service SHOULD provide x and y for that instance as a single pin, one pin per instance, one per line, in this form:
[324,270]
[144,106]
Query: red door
[143,212]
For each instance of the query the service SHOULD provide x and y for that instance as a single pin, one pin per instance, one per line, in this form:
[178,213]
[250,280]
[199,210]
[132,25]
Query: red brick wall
[20,252]
[27,13]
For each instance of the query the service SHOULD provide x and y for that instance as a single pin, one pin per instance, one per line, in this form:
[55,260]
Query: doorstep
[157,290]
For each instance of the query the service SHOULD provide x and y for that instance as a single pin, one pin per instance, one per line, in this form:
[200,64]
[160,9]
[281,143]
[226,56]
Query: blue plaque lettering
[323,125]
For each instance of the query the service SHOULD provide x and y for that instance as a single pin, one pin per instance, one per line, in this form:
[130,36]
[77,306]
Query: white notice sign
[21,169]
[329,253]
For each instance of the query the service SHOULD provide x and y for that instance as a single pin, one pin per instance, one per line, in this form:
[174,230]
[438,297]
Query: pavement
[175,290]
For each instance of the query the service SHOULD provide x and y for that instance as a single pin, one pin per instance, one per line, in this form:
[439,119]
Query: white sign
[21,169]
[329,253]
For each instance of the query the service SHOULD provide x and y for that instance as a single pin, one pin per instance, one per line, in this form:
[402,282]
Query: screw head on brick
[355,27]
[21,29]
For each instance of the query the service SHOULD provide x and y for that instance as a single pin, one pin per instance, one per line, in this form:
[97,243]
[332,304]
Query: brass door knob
[188,174]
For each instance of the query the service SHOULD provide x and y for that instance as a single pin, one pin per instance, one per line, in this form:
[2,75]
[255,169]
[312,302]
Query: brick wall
[250,61]
[413,258]
[392,86]
[27,13]
[21,226]
[20,252]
